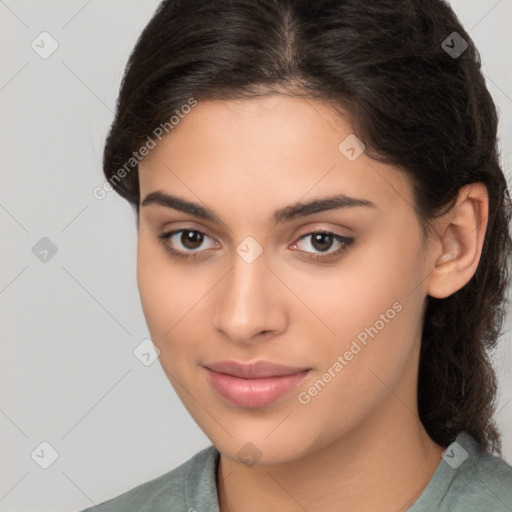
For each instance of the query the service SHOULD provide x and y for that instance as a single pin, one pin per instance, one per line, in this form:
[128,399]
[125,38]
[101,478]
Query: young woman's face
[336,291]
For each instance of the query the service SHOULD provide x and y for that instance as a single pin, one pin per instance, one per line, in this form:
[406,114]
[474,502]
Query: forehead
[273,150]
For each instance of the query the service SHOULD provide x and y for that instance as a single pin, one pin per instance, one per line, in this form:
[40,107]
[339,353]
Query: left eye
[322,241]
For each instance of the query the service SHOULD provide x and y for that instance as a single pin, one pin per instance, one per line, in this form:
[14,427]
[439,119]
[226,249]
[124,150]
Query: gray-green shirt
[467,480]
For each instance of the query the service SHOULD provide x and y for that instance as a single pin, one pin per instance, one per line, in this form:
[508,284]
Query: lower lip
[253,392]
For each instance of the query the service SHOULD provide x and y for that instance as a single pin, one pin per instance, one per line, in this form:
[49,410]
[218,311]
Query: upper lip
[255,370]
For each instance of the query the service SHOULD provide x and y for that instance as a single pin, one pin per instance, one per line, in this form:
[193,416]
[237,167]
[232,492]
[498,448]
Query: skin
[359,442]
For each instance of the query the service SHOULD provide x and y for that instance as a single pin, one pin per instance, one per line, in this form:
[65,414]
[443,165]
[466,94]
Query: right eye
[190,239]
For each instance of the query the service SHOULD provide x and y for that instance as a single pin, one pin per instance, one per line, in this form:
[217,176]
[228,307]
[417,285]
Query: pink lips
[255,384]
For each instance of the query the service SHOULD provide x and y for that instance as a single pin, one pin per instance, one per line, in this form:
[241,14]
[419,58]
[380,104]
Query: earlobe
[459,245]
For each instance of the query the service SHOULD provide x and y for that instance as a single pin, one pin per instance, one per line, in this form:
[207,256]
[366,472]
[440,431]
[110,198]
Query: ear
[457,247]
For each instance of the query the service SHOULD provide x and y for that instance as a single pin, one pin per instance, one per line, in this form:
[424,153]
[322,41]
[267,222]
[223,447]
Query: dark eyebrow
[290,212]
[333,202]
[163,199]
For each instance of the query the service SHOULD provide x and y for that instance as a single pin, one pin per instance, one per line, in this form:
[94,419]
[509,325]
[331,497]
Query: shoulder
[481,481]
[176,490]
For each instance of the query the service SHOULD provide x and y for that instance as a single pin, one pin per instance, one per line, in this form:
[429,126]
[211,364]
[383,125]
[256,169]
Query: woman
[323,252]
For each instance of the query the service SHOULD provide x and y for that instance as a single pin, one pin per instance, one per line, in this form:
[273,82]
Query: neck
[383,463]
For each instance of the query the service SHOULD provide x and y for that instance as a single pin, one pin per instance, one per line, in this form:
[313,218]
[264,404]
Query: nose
[249,302]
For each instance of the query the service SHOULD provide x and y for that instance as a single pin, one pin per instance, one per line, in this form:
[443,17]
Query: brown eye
[321,242]
[191,239]
[186,243]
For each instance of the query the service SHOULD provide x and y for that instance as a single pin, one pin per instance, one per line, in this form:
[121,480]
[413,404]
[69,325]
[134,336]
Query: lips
[256,370]
[254,384]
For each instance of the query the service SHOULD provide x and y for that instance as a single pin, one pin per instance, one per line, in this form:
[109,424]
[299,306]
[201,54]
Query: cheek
[385,307]
[162,288]
[350,297]
[372,301]
[377,322]
[172,301]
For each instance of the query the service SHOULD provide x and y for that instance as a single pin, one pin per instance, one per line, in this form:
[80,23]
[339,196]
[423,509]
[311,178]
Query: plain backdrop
[71,315]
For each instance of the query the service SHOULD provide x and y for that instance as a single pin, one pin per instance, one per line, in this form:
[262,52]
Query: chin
[256,449]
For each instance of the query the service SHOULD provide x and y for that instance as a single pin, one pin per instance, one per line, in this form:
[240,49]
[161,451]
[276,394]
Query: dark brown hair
[414,105]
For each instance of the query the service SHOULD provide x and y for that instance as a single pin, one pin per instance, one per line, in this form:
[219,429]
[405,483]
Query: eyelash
[343,240]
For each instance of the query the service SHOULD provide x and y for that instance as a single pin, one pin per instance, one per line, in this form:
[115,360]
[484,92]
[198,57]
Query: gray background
[70,324]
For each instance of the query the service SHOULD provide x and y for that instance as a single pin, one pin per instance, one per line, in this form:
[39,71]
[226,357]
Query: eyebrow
[290,212]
